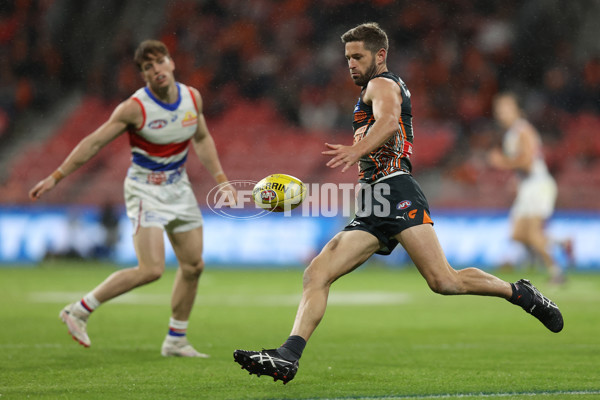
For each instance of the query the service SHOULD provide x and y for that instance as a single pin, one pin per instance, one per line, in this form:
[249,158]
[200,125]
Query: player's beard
[363,79]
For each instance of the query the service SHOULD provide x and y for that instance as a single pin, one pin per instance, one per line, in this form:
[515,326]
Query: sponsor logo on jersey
[157,124]
[404,204]
[190,119]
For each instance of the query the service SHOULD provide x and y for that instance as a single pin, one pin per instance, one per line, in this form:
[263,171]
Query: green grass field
[385,336]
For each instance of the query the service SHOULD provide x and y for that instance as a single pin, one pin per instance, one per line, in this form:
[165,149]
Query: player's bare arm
[205,148]
[126,114]
[524,159]
[384,96]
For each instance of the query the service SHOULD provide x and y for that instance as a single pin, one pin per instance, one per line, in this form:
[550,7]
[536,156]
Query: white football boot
[76,323]
[180,348]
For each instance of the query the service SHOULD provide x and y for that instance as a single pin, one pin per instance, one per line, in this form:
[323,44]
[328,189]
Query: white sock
[177,329]
[87,304]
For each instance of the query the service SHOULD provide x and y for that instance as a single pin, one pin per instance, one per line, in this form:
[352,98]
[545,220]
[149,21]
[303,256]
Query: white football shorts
[172,206]
[536,197]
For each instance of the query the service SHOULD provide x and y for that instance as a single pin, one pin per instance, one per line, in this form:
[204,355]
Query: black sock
[292,349]
[521,297]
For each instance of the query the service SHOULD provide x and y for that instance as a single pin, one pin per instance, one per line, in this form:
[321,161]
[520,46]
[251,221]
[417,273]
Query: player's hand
[342,155]
[227,190]
[496,158]
[42,187]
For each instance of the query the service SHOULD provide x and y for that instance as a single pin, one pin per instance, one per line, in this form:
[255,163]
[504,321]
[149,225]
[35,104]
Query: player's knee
[192,270]
[520,237]
[310,277]
[444,285]
[315,275]
[435,285]
[152,274]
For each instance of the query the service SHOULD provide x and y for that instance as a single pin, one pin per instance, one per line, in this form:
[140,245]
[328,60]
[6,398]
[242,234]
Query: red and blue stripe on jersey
[161,142]
[152,151]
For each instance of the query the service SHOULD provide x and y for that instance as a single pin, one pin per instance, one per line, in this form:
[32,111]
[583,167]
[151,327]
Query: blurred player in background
[382,148]
[161,119]
[537,191]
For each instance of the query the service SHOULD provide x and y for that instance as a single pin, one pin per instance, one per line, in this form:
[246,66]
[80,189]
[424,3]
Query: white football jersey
[511,149]
[160,144]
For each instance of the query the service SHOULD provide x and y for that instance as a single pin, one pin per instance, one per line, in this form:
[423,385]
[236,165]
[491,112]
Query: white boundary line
[470,395]
[338,298]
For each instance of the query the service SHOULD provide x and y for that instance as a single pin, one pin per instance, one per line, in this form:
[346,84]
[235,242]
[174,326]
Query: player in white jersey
[537,191]
[162,119]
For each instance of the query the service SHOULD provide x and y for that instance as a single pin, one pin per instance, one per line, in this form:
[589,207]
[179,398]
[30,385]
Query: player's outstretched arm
[205,148]
[126,114]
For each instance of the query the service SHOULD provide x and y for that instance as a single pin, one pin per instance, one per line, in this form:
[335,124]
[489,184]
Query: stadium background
[276,87]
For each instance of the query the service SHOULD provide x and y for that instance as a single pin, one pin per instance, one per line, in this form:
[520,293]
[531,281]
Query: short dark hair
[148,47]
[370,33]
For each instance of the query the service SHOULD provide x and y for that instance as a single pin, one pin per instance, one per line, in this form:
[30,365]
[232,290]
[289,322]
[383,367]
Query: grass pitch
[384,336]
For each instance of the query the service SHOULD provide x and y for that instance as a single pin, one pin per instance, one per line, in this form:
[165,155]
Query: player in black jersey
[382,148]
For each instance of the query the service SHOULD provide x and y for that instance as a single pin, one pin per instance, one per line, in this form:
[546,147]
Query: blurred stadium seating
[275,87]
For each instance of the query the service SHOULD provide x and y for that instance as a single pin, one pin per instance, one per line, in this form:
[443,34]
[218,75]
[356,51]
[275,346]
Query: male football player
[537,190]
[161,119]
[382,148]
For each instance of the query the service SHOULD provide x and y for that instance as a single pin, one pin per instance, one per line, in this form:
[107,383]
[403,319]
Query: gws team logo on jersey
[157,124]
[190,119]
[360,133]
[404,204]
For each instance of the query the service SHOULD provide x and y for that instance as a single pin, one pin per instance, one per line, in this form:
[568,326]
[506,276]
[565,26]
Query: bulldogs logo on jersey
[157,124]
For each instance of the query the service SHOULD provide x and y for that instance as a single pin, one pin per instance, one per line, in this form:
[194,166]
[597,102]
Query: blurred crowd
[454,55]
[30,64]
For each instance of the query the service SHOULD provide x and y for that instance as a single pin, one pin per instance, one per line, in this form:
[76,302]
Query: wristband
[57,175]
[215,176]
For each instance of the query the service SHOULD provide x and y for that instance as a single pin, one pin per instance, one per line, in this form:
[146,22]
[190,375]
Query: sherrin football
[279,192]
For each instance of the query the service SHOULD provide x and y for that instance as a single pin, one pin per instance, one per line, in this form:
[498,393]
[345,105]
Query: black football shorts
[387,208]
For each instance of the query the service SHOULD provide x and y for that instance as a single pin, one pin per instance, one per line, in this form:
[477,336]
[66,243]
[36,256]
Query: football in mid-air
[279,192]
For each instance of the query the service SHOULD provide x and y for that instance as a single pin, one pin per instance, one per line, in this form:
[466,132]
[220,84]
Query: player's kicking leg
[149,246]
[188,249]
[422,245]
[344,253]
